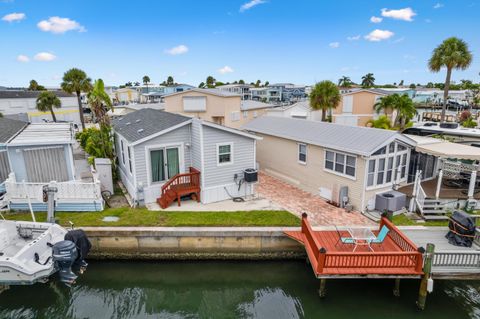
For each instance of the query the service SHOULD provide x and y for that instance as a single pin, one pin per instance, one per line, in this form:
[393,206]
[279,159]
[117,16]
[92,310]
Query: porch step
[434,212]
[427,218]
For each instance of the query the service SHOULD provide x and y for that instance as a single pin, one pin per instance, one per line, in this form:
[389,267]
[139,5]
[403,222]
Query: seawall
[164,243]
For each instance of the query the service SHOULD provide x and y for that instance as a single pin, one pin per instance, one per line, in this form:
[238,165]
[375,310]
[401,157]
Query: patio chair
[343,240]
[381,235]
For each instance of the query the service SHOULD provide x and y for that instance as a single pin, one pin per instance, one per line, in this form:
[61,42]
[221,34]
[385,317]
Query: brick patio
[298,201]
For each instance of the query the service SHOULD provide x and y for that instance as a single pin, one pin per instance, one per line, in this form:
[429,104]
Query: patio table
[362,236]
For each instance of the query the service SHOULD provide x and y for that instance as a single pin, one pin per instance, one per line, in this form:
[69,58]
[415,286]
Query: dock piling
[322,292]
[427,270]
[396,288]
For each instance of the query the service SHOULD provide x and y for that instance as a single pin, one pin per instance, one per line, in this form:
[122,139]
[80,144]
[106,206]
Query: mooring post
[427,270]
[322,292]
[396,288]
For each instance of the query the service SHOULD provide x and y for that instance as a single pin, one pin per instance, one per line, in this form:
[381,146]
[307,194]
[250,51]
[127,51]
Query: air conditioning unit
[391,201]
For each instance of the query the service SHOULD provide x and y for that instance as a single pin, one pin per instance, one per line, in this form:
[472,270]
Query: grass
[144,217]
[403,220]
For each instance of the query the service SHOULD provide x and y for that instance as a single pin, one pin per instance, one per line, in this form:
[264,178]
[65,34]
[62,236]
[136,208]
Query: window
[255,114]
[235,116]
[329,158]
[245,114]
[302,153]
[224,154]
[157,165]
[340,163]
[130,159]
[388,165]
[122,151]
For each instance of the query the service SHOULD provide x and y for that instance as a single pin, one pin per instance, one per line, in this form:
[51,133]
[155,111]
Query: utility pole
[49,197]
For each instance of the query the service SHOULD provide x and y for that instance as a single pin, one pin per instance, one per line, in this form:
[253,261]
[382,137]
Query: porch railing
[183,182]
[456,259]
[420,197]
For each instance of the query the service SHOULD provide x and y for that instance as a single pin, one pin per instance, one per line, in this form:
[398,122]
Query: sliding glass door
[164,163]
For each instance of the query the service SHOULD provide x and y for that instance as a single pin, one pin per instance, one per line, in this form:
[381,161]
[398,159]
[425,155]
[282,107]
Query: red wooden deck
[396,256]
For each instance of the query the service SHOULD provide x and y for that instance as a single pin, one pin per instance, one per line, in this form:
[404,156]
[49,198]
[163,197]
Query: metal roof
[11,94]
[45,134]
[216,92]
[145,122]
[9,128]
[351,139]
[253,105]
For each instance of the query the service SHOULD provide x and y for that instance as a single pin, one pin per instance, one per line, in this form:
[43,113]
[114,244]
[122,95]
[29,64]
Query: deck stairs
[434,209]
[178,186]
[3,204]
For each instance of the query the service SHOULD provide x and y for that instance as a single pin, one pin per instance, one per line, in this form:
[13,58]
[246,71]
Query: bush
[382,122]
[469,123]
[465,115]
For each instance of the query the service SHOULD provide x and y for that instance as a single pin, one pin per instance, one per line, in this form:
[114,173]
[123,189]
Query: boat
[32,252]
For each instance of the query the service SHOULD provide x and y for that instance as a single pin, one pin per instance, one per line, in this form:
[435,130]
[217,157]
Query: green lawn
[402,220]
[144,217]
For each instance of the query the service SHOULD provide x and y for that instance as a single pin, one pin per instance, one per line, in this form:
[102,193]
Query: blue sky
[276,40]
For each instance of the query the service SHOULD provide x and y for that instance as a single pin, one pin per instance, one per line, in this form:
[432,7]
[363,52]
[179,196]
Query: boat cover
[80,239]
[462,229]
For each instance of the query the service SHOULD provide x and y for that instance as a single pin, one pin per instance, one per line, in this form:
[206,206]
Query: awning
[450,150]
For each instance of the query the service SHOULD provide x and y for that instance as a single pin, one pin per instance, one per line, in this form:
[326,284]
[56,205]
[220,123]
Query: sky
[301,41]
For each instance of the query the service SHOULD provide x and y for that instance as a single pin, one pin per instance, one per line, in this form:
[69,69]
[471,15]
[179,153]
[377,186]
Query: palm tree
[405,110]
[99,102]
[76,81]
[324,96]
[46,101]
[452,54]
[170,81]
[210,81]
[385,103]
[345,82]
[368,80]
[146,81]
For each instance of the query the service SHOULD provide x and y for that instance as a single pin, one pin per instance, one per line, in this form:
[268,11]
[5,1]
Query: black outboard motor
[69,255]
[462,229]
[64,255]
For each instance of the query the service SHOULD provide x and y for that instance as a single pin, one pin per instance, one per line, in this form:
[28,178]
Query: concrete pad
[227,206]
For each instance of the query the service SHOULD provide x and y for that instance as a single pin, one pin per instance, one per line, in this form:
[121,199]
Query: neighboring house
[356,108]
[240,89]
[154,93]
[299,110]
[332,159]
[127,95]
[220,107]
[154,146]
[22,105]
[279,93]
[42,154]
[8,130]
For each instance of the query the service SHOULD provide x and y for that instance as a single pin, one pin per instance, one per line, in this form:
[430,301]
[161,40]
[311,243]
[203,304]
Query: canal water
[274,290]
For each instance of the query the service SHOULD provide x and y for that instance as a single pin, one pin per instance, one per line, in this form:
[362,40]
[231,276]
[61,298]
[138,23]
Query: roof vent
[128,123]
[120,118]
[137,121]
[140,130]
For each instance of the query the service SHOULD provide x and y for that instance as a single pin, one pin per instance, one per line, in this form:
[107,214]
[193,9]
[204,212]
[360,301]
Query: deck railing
[456,259]
[408,258]
[183,182]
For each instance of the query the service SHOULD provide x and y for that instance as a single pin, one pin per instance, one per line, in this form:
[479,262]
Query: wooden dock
[449,261]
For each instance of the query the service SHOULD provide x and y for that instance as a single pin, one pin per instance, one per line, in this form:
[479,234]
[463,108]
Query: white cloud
[438,5]
[379,35]
[12,17]
[179,49]
[250,4]
[23,58]
[375,19]
[405,14]
[334,45]
[354,38]
[59,25]
[225,69]
[44,56]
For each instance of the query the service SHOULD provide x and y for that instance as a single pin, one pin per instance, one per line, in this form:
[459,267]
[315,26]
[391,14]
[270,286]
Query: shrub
[469,123]
[465,115]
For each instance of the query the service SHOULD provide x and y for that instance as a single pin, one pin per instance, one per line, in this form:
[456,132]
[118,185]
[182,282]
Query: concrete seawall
[192,243]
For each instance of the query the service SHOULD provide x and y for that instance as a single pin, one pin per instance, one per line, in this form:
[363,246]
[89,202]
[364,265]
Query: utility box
[103,166]
[250,175]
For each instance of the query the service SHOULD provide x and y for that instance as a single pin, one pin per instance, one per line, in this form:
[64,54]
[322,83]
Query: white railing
[72,190]
[420,198]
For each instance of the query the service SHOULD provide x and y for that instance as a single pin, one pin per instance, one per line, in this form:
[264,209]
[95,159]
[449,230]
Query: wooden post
[322,292]
[396,288]
[427,270]
[439,184]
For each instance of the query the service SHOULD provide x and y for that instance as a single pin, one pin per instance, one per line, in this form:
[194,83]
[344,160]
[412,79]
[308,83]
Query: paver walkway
[298,201]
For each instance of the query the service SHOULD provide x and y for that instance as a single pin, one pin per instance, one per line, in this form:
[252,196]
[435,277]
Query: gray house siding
[124,170]
[180,135]
[243,156]
[196,149]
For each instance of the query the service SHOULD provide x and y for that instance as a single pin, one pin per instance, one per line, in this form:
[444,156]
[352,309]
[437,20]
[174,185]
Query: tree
[382,122]
[46,101]
[201,85]
[136,83]
[170,81]
[405,110]
[368,80]
[76,81]
[146,81]
[430,85]
[99,102]
[266,83]
[34,86]
[385,103]
[324,96]
[345,82]
[241,82]
[210,81]
[257,84]
[128,84]
[452,54]
[401,83]
[413,86]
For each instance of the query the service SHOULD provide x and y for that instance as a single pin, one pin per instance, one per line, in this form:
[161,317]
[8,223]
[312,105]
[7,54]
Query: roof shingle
[9,128]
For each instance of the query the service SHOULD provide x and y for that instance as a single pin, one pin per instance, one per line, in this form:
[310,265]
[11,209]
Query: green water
[230,290]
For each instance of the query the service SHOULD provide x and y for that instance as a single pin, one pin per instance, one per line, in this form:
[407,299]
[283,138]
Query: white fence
[69,191]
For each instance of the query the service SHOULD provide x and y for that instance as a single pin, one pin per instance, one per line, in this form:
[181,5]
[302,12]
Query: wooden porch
[396,256]
[446,192]
[180,185]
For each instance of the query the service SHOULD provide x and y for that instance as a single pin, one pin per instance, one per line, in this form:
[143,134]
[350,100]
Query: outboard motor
[69,255]
[64,256]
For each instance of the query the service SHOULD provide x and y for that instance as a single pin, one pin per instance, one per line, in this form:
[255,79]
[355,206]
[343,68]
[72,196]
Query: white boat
[29,252]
